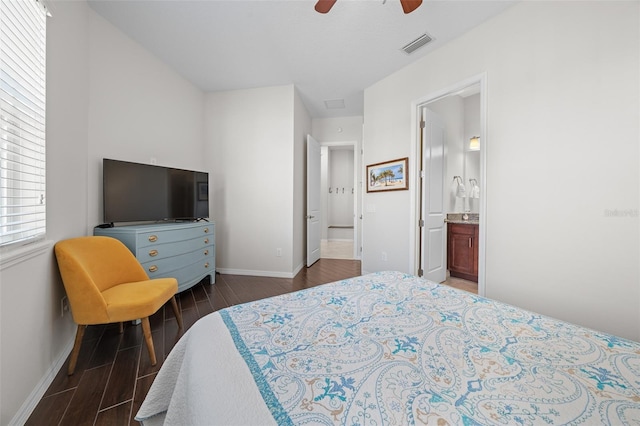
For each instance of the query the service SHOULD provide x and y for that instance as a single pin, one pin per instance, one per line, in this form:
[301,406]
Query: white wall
[324,191]
[250,149]
[140,109]
[34,336]
[337,129]
[563,107]
[105,96]
[471,158]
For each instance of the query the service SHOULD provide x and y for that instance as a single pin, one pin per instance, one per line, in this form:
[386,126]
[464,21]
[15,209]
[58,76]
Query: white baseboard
[38,392]
[299,268]
[273,274]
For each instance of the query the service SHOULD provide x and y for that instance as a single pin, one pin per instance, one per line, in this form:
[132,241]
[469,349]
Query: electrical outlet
[384,256]
[64,305]
[278,252]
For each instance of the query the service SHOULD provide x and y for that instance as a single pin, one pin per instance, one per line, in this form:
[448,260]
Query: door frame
[416,105]
[356,195]
[311,214]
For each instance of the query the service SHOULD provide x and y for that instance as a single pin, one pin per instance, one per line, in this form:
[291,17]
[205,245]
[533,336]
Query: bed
[390,348]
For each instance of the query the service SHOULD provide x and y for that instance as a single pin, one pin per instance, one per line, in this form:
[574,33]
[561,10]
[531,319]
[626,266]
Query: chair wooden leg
[177,312]
[76,349]
[121,329]
[146,329]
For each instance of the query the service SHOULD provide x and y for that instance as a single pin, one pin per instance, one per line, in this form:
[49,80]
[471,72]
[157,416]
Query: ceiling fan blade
[410,5]
[323,6]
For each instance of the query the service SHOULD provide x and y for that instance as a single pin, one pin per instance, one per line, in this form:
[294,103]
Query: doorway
[339,201]
[463,111]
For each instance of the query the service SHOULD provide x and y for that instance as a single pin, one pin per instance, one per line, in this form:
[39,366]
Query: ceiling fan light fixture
[324,6]
[417,44]
[409,6]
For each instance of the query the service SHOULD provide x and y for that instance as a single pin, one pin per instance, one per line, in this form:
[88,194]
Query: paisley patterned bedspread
[394,349]
[390,348]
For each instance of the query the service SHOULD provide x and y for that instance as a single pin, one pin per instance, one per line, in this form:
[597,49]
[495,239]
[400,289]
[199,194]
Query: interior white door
[313,200]
[433,250]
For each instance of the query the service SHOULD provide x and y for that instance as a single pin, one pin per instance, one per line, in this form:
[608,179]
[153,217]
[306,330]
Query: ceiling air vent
[417,44]
[334,103]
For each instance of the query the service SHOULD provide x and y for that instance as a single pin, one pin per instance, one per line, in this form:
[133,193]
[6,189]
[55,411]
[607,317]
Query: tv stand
[185,251]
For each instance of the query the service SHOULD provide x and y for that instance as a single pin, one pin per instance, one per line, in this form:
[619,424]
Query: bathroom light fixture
[474,143]
[461,191]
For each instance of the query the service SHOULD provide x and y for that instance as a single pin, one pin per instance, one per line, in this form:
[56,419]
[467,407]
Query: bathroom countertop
[465,222]
[473,218]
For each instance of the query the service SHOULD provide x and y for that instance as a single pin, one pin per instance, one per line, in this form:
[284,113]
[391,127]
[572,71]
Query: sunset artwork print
[388,176]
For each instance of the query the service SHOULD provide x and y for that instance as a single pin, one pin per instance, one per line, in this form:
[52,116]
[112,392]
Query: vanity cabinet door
[462,251]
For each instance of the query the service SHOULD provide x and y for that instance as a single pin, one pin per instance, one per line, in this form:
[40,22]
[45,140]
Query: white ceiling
[239,44]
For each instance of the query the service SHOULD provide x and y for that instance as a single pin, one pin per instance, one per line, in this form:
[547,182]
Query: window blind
[22,120]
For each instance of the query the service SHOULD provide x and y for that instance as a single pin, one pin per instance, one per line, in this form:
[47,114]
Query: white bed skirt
[192,371]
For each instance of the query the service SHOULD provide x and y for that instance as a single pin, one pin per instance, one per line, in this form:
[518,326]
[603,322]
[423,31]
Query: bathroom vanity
[462,248]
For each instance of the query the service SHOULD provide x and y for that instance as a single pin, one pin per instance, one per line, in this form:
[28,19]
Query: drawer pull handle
[153,253]
[206,230]
[206,252]
[206,241]
[206,265]
[153,238]
[153,268]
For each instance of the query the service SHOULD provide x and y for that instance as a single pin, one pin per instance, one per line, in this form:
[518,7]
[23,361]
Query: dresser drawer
[154,237]
[163,251]
[188,269]
[166,265]
[189,275]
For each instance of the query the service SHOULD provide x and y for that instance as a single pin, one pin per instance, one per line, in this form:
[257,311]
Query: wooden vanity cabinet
[462,250]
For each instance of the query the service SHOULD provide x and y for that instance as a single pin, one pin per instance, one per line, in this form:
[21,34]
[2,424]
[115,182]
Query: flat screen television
[135,192]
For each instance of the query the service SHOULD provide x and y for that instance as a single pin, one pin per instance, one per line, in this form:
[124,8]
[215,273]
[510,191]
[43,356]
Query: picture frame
[388,175]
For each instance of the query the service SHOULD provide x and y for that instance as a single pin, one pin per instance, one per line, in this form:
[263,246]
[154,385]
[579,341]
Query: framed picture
[388,176]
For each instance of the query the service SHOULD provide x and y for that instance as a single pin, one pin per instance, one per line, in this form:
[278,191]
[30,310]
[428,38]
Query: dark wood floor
[114,373]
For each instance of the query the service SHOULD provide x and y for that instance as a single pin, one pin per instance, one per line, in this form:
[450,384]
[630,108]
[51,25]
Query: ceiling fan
[408,6]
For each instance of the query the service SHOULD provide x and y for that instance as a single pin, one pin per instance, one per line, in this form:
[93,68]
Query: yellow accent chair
[106,284]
